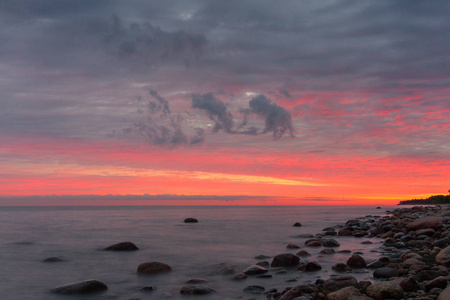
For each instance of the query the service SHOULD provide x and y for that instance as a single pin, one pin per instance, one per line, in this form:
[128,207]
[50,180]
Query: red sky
[309,104]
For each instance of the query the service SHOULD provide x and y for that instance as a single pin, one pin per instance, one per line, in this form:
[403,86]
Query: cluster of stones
[415,264]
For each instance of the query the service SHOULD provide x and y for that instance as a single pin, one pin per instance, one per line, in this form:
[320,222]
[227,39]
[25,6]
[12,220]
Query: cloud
[277,119]
[159,126]
[216,109]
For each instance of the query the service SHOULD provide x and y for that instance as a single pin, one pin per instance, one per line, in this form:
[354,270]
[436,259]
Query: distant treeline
[433,200]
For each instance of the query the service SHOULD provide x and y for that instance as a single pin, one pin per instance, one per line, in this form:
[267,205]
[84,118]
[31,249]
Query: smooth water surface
[224,234]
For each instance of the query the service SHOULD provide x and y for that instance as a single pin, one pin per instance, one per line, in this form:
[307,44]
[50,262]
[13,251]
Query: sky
[195,102]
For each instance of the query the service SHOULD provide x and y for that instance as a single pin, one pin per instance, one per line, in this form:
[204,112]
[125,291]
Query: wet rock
[303,253]
[285,260]
[53,259]
[124,246]
[340,267]
[443,256]
[424,223]
[190,220]
[376,264]
[331,243]
[148,288]
[264,264]
[239,276]
[262,257]
[264,276]
[305,236]
[255,289]
[312,266]
[438,282]
[153,267]
[298,291]
[385,272]
[196,281]
[335,283]
[344,293]
[297,224]
[425,275]
[227,269]
[196,290]
[409,284]
[327,251]
[345,232]
[254,270]
[292,246]
[385,290]
[445,294]
[356,262]
[81,287]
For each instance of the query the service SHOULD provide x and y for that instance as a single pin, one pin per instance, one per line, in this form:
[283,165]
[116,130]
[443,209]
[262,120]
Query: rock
[327,251]
[443,256]
[425,275]
[124,246]
[303,253]
[335,283]
[345,232]
[153,267]
[312,266]
[438,282]
[292,246]
[196,281]
[254,270]
[264,276]
[298,291]
[239,276]
[196,290]
[148,288]
[190,220]
[376,264]
[340,267]
[264,264]
[356,262]
[444,242]
[424,223]
[385,290]
[385,272]
[445,294]
[409,284]
[285,260]
[427,232]
[255,289]
[331,243]
[81,287]
[344,293]
[53,259]
[262,257]
[226,269]
[305,236]
[297,224]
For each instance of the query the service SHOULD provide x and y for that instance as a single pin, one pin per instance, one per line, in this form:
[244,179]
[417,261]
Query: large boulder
[445,294]
[153,267]
[338,282]
[124,246]
[196,290]
[80,287]
[356,262]
[424,223]
[285,260]
[443,257]
[344,293]
[385,290]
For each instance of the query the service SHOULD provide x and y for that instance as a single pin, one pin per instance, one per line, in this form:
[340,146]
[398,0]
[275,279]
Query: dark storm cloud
[216,109]
[277,119]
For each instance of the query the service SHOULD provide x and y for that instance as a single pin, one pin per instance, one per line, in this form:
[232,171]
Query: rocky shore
[415,262]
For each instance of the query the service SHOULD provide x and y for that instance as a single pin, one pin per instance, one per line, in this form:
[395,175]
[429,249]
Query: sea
[232,235]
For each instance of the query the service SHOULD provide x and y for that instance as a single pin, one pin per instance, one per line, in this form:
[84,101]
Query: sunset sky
[224,102]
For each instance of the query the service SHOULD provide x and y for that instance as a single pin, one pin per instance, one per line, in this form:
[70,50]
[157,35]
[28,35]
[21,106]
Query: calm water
[232,235]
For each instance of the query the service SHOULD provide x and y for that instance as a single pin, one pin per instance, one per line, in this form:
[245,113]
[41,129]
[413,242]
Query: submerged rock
[124,246]
[255,289]
[80,287]
[53,259]
[190,220]
[297,224]
[153,267]
[312,266]
[285,260]
[196,290]
[254,270]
